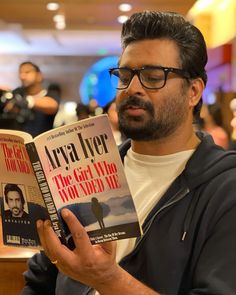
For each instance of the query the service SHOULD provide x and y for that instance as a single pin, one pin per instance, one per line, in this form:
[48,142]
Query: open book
[76,166]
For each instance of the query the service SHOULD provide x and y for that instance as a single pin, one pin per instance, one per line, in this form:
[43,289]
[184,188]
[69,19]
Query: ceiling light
[224,4]
[59,18]
[60,25]
[125,7]
[52,6]
[122,18]
[204,5]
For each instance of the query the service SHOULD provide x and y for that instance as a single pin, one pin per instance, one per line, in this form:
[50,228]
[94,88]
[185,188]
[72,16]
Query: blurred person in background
[36,106]
[55,91]
[110,110]
[212,123]
[82,111]
[93,105]
[94,108]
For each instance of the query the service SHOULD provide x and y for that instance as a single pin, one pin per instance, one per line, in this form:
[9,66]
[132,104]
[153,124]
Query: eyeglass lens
[149,78]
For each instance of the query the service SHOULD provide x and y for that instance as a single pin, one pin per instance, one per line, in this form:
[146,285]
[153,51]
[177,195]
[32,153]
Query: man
[82,111]
[182,183]
[111,110]
[35,106]
[15,200]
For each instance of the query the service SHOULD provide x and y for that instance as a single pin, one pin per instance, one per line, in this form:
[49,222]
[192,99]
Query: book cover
[20,197]
[78,167]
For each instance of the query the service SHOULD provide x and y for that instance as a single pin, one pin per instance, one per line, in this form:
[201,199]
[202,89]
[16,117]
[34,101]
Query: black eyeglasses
[150,77]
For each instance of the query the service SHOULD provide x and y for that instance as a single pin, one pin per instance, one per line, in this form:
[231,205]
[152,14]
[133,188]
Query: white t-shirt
[148,177]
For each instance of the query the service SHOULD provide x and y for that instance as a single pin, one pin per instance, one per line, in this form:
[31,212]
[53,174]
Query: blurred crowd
[32,107]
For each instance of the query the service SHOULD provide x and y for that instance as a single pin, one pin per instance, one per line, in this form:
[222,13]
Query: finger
[48,238]
[40,229]
[79,234]
[55,251]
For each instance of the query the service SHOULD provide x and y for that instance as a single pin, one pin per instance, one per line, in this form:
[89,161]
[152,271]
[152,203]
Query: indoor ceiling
[27,27]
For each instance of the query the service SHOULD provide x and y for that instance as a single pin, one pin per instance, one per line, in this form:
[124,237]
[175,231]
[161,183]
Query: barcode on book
[13,239]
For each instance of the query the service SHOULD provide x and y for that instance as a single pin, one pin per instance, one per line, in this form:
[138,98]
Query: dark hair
[216,114]
[54,90]
[170,25]
[11,187]
[54,87]
[37,69]
[82,109]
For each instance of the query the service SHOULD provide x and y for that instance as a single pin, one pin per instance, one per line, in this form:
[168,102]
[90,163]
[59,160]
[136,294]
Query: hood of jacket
[207,162]
[213,160]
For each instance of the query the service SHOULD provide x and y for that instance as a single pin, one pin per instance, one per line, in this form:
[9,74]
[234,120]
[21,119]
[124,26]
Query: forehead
[163,52]
[27,68]
[13,195]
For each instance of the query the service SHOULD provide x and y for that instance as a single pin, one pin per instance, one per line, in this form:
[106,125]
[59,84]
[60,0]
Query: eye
[153,76]
[124,76]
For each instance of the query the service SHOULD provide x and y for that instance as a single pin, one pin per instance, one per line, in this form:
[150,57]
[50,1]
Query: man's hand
[93,265]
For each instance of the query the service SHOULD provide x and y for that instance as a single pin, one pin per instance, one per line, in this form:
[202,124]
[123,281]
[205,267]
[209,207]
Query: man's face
[28,75]
[146,114]
[15,204]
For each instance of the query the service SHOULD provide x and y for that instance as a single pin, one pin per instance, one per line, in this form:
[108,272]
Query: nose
[22,77]
[135,85]
[15,203]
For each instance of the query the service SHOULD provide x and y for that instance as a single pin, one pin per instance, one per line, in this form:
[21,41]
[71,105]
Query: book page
[84,172]
[20,197]
[16,133]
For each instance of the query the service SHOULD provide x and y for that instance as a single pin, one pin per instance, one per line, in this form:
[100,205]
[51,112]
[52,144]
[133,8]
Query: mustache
[135,101]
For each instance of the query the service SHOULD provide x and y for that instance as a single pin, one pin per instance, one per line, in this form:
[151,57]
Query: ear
[195,91]
[39,77]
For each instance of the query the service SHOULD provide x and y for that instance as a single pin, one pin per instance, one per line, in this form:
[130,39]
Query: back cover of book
[21,200]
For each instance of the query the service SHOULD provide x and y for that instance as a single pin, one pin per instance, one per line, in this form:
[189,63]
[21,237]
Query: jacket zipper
[181,194]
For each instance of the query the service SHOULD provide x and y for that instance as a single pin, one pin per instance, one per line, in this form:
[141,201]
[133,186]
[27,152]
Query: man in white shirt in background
[34,106]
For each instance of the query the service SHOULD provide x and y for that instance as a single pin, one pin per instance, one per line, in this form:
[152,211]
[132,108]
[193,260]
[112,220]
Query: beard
[16,211]
[154,124]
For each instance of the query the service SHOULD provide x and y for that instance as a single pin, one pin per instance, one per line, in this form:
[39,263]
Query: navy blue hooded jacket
[189,241]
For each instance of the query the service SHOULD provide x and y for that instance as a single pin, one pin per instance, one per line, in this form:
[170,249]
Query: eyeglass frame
[136,71]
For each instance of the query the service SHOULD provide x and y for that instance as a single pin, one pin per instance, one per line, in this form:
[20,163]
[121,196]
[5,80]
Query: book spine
[45,191]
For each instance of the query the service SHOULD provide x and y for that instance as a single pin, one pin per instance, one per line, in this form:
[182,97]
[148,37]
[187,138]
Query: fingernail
[39,223]
[64,213]
[47,223]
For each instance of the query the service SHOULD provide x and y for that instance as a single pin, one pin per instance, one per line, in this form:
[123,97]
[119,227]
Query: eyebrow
[11,198]
[147,66]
